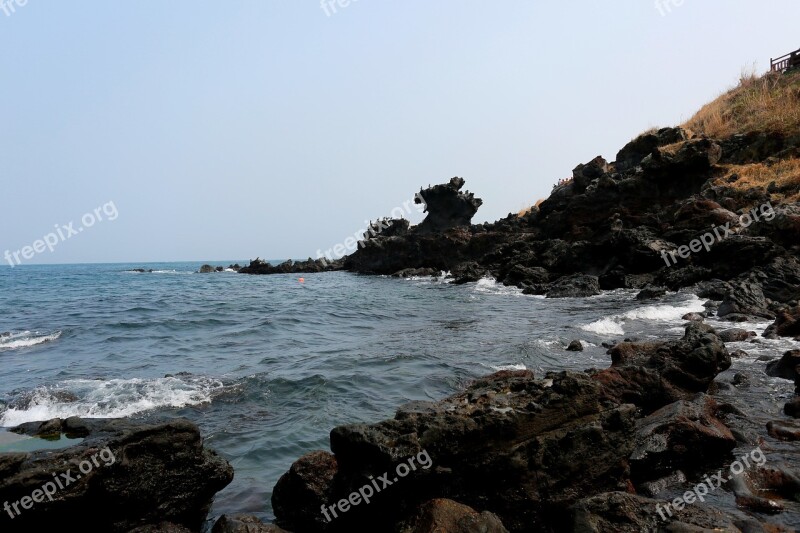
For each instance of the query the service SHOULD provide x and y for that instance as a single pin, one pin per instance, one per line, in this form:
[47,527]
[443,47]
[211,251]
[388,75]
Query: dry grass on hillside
[759,103]
[527,209]
[785,174]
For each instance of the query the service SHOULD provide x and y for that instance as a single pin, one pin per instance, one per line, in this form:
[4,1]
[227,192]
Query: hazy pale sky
[236,129]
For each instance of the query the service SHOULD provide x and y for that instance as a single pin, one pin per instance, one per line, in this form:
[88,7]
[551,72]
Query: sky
[199,130]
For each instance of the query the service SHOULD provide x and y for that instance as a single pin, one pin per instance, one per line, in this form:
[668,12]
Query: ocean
[266,366]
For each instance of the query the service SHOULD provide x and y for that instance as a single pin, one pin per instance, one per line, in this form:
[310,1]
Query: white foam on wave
[25,339]
[116,398]
[605,326]
[498,368]
[489,285]
[614,325]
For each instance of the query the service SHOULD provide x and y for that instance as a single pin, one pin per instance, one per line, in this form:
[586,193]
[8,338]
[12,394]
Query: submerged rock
[575,346]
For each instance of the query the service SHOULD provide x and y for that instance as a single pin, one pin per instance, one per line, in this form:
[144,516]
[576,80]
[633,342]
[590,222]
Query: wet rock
[206,269]
[714,290]
[627,513]
[145,475]
[784,430]
[684,435]
[447,516]
[693,317]
[244,524]
[736,335]
[787,324]
[738,354]
[792,408]
[574,286]
[746,499]
[778,479]
[575,346]
[741,380]
[520,275]
[525,447]
[469,273]
[654,374]
[786,366]
[415,272]
[303,490]
[654,488]
[651,292]
[746,299]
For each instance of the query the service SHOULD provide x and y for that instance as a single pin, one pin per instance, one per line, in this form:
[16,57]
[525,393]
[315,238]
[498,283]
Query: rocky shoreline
[593,451]
[614,449]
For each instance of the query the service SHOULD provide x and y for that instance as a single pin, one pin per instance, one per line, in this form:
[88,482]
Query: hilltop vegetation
[769,103]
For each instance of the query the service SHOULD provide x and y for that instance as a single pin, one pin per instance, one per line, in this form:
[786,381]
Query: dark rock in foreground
[137,475]
[627,513]
[440,516]
[787,324]
[525,449]
[654,374]
[787,367]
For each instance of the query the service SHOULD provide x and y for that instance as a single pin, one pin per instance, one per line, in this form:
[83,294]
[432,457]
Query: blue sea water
[267,365]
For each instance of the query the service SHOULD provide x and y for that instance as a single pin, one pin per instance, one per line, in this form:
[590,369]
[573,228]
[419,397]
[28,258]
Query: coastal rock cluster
[599,450]
[593,451]
[565,451]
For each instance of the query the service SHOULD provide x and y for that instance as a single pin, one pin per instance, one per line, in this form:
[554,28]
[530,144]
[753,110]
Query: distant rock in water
[140,270]
[258,266]
[208,269]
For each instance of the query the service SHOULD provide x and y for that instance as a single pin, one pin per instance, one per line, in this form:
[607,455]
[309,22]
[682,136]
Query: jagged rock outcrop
[654,374]
[618,222]
[447,207]
[523,448]
[123,475]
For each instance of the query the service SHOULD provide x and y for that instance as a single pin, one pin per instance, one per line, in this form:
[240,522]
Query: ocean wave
[498,368]
[605,326]
[25,339]
[115,398]
[614,325]
[489,285]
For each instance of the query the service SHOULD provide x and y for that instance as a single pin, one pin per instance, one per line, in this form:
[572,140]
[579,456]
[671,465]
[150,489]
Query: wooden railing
[785,62]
